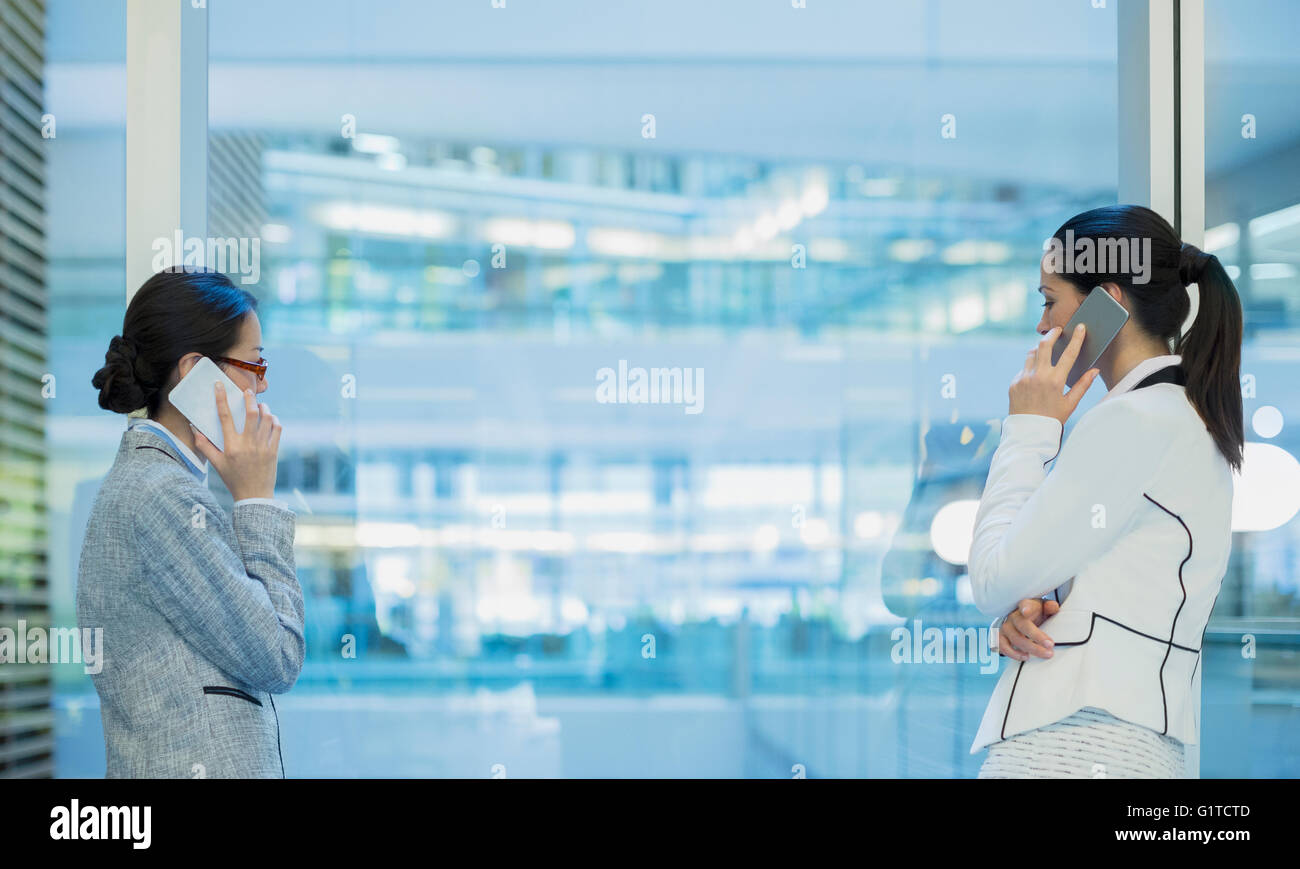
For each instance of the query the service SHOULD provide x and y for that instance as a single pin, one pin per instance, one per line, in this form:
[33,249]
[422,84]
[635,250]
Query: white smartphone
[195,397]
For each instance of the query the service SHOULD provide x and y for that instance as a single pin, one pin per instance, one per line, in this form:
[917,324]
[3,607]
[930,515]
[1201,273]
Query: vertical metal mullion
[166,129]
[1190,108]
[1191,120]
[1146,105]
[1178,113]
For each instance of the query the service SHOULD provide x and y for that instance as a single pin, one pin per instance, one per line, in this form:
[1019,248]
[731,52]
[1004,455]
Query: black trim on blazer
[277,734]
[1169,374]
[1091,627]
[1204,629]
[165,453]
[1007,715]
[1059,442]
[1169,644]
[1097,615]
[1179,611]
[231,692]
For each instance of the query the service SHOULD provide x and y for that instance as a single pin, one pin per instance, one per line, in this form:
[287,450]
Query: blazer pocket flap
[1069,627]
[231,692]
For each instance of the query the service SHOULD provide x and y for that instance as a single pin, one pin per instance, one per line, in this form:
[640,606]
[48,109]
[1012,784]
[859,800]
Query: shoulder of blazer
[1144,430]
[1167,412]
[1142,413]
[148,474]
[146,462]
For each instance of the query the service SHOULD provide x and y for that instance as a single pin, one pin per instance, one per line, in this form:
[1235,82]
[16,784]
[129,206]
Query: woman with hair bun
[201,610]
[1105,570]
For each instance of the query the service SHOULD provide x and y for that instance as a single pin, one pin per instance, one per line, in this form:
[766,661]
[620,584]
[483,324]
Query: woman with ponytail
[1104,569]
[201,610]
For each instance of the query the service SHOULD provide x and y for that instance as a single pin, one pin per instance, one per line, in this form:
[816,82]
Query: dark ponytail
[1211,352]
[1211,349]
[177,311]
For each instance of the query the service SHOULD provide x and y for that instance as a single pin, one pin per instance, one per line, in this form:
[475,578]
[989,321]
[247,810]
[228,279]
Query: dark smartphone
[1102,318]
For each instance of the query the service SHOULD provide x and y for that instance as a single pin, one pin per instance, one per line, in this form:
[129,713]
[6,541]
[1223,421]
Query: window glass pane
[1252,218]
[484,231]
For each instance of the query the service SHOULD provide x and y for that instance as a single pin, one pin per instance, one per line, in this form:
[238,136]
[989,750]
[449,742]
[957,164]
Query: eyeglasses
[258,367]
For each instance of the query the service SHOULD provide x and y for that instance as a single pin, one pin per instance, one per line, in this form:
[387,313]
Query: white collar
[199,466]
[1140,371]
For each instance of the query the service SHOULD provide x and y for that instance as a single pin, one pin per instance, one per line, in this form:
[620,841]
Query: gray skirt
[1091,743]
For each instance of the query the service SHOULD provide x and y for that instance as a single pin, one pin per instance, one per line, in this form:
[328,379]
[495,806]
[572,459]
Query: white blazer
[1131,532]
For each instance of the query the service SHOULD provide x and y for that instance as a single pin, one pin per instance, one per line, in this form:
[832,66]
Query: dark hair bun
[178,310]
[119,388]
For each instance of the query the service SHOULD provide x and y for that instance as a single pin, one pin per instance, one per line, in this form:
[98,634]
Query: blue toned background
[505,576]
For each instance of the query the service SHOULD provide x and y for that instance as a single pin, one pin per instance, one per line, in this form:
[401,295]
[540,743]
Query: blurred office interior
[506,576]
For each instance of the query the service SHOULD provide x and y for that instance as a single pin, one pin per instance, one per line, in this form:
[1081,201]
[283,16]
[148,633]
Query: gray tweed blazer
[202,619]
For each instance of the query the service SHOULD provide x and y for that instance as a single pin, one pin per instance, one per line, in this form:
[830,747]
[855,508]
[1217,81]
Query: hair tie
[1191,263]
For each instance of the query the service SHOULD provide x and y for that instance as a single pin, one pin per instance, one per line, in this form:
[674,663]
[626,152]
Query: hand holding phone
[247,465]
[232,430]
[1037,388]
